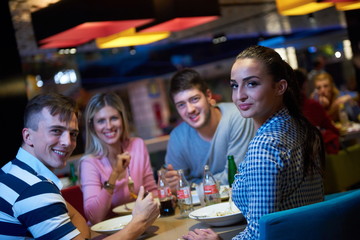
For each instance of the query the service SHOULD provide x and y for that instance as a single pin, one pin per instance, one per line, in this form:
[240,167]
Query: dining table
[175,226]
[349,135]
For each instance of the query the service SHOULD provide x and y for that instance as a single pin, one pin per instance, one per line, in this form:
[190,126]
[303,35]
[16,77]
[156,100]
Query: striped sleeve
[43,210]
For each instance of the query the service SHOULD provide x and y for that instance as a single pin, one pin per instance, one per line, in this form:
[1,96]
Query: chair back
[74,196]
[336,218]
[342,170]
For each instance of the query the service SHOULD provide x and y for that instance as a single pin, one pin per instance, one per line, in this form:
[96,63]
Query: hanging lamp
[69,23]
[300,7]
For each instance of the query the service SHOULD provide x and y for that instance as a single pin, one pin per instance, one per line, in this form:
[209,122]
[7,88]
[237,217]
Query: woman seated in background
[111,156]
[327,94]
[317,115]
[282,168]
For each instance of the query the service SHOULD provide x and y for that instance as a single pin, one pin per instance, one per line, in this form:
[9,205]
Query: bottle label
[210,189]
[183,193]
[164,192]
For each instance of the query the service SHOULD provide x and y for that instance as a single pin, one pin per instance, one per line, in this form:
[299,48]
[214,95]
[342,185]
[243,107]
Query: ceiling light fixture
[344,5]
[70,23]
[347,6]
[178,15]
[86,32]
[300,7]
[130,38]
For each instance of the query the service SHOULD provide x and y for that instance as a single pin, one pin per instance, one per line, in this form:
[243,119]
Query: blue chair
[335,218]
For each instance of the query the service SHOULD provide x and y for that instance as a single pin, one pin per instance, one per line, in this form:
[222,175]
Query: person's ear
[27,136]
[282,85]
[208,94]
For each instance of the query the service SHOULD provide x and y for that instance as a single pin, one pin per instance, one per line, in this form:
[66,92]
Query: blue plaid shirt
[271,177]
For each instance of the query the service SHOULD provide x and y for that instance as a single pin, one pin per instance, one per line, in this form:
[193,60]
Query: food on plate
[227,212]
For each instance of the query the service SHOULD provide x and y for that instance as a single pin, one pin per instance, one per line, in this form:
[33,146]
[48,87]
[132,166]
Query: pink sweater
[94,171]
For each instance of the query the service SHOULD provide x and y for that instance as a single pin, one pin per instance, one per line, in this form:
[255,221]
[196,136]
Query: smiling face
[108,125]
[54,141]
[193,107]
[254,92]
[323,87]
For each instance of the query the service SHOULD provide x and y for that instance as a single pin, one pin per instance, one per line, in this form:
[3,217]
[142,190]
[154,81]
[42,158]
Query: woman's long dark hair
[313,146]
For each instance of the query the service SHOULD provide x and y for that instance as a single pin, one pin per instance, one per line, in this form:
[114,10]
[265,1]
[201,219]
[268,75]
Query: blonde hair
[94,145]
[326,76]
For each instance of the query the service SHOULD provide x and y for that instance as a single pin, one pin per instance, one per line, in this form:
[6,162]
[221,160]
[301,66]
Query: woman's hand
[123,161]
[343,99]
[119,169]
[146,209]
[145,212]
[324,101]
[202,234]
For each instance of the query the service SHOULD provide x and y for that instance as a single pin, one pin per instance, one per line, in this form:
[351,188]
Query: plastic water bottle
[184,195]
[232,169]
[211,192]
[165,196]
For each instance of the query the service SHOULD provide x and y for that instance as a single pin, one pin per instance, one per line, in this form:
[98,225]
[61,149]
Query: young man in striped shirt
[31,205]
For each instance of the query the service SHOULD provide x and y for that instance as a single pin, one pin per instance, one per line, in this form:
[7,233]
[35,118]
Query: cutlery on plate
[131,185]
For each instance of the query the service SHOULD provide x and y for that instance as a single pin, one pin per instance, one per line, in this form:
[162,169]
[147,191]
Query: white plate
[209,214]
[112,225]
[122,209]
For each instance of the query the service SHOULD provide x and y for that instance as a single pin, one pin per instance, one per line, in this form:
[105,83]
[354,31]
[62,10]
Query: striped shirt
[271,177]
[31,206]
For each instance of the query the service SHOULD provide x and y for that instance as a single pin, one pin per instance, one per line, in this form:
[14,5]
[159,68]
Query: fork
[131,185]
[127,208]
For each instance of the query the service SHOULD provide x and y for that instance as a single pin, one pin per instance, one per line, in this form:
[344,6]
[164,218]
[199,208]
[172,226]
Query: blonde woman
[327,94]
[111,156]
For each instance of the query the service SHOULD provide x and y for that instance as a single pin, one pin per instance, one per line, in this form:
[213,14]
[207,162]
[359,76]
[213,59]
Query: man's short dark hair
[186,79]
[54,102]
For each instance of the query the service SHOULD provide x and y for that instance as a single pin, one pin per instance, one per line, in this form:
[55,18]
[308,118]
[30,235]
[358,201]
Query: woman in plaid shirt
[283,164]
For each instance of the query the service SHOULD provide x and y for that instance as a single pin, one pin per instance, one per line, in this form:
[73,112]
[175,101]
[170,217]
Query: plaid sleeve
[261,175]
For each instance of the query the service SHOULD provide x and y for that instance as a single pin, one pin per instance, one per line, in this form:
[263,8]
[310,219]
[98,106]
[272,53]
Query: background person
[111,156]
[208,133]
[317,115]
[329,96]
[282,168]
[318,66]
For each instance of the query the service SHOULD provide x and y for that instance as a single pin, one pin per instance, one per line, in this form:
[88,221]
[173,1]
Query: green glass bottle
[232,169]
[73,176]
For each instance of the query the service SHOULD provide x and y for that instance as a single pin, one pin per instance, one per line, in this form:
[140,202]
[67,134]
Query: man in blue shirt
[31,205]
[208,134]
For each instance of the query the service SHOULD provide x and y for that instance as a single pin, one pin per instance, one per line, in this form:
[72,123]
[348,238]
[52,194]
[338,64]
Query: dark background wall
[353,26]
[11,102]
